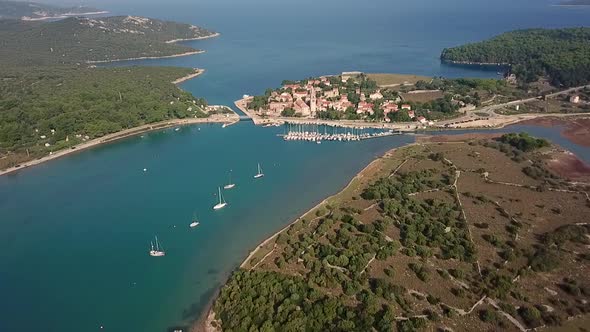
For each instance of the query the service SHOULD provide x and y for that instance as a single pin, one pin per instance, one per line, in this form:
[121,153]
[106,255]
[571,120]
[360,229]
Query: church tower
[313,102]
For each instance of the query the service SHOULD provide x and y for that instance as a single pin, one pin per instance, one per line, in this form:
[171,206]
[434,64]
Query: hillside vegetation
[83,103]
[563,55]
[78,40]
[462,236]
[34,10]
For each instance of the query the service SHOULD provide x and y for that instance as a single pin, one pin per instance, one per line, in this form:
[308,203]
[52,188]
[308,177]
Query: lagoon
[76,231]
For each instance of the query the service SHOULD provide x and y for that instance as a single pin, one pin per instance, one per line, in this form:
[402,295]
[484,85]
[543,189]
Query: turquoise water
[75,231]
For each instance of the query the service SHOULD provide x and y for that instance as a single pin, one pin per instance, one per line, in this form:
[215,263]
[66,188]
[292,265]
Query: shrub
[487,315]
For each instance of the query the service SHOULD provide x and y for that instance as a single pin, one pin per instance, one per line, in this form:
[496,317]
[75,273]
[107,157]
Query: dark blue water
[75,232]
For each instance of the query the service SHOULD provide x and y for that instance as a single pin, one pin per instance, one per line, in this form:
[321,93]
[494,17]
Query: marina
[313,132]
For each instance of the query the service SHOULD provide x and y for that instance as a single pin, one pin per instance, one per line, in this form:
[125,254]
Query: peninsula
[358,100]
[53,103]
[435,235]
[79,40]
[546,72]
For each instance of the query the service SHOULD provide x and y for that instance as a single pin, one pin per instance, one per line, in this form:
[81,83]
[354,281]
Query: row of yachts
[156,249]
[314,136]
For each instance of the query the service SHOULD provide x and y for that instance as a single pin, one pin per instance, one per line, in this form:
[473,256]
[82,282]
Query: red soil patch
[576,130]
[456,138]
[569,166]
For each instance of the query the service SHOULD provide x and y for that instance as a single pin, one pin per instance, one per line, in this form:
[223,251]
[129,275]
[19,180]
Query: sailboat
[195,223]
[158,252]
[221,203]
[259,174]
[229,185]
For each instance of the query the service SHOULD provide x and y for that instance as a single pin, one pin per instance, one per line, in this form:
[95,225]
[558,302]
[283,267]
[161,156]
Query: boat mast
[221,199]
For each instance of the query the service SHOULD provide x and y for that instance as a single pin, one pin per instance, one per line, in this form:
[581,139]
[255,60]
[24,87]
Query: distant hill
[38,11]
[575,3]
[563,55]
[79,39]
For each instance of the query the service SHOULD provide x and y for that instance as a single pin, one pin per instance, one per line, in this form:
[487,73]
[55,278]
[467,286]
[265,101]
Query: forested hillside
[78,40]
[561,54]
[33,10]
[84,103]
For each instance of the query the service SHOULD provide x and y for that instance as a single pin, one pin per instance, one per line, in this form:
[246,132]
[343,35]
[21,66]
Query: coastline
[147,57]
[216,34]
[469,121]
[66,15]
[205,322]
[118,136]
[197,72]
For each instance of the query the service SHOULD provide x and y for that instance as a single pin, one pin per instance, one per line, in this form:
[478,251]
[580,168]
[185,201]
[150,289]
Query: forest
[562,55]
[61,106]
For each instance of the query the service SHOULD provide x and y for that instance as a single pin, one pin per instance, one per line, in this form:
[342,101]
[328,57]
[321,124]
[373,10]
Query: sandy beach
[218,118]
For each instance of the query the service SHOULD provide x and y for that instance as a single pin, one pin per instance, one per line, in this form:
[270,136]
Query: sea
[75,232]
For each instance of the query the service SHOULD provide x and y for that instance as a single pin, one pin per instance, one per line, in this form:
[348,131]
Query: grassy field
[422,96]
[397,79]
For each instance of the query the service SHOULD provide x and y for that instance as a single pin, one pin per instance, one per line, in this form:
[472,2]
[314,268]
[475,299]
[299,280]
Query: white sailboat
[221,203]
[157,252]
[195,223]
[259,174]
[229,185]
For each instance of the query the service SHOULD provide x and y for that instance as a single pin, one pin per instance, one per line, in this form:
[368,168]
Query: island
[33,11]
[55,101]
[453,233]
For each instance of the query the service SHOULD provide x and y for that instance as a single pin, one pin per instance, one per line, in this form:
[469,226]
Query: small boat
[224,125]
[158,251]
[318,142]
[229,184]
[195,222]
[222,203]
[259,174]
[177,129]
